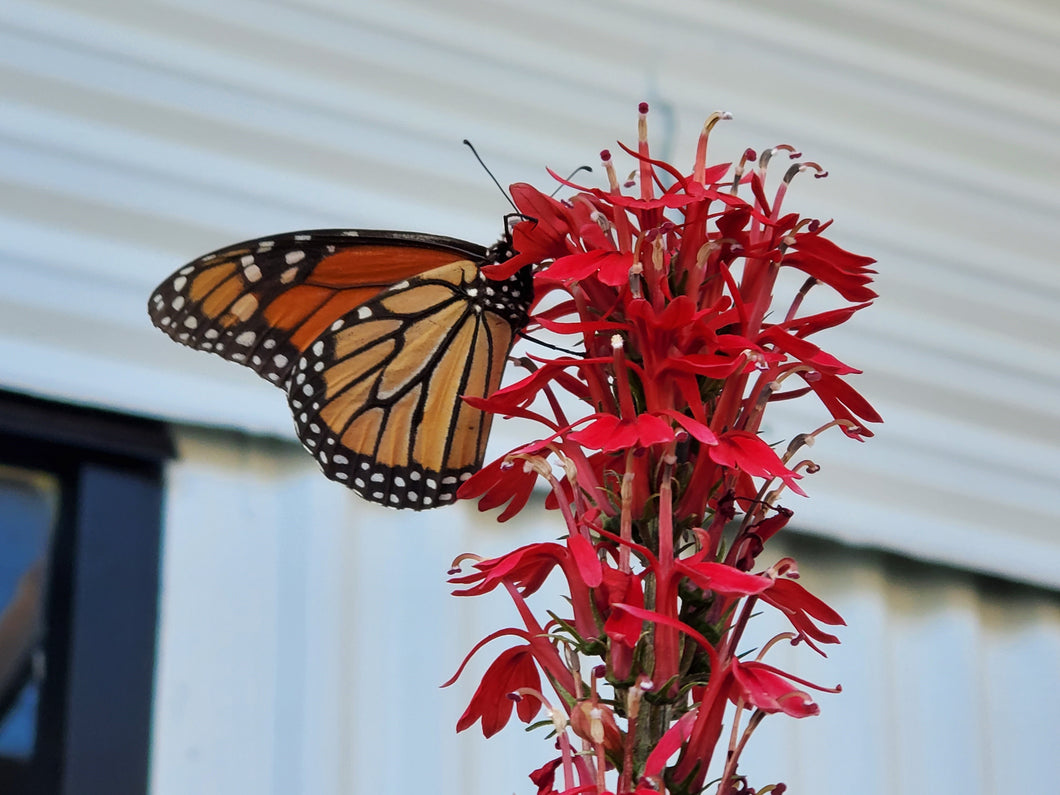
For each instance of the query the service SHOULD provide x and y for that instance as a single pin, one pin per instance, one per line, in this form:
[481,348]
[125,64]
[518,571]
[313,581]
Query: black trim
[83,428]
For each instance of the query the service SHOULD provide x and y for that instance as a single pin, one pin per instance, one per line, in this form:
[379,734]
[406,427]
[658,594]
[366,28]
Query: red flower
[746,452]
[596,723]
[610,267]
[770,690]
[527,568]
[545,776]
[777,588]
[844,403]
[492,703]
[725,580]
[502,481]
[609,433]
[800,606]
[804,351]
[548,236]
[618,587]
[819,257]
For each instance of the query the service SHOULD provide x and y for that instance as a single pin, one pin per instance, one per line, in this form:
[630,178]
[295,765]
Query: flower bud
[595,723]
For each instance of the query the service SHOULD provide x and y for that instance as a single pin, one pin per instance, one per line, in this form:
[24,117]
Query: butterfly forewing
[377,398]
[263,302]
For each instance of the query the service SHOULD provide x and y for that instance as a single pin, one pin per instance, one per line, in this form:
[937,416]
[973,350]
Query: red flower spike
[668,288]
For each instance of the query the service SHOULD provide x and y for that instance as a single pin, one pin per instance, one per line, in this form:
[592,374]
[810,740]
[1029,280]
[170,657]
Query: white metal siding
[137,134]
[304,635]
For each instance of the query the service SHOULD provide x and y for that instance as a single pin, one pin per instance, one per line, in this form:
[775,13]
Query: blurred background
[189,607]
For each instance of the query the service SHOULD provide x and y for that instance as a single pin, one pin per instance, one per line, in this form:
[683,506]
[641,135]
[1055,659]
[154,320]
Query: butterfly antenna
[485,168]
[536,341]
[578,170]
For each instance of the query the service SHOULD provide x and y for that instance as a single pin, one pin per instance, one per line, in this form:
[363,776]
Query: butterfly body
[374,335]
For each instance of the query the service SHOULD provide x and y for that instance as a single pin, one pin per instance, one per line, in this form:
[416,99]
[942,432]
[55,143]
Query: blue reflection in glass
[28,505]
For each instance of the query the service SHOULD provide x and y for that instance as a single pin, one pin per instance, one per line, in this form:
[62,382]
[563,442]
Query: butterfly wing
[263,302]
[376,398]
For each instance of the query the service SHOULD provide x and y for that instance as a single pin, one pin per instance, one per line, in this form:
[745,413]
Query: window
[80,517]
[29,501]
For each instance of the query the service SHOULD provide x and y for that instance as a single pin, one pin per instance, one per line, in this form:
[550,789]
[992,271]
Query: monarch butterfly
[374,335]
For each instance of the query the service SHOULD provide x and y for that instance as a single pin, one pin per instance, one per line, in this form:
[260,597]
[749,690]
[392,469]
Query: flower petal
[585,559]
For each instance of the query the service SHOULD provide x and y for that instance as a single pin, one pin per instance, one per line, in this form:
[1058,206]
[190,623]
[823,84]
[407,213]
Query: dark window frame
[94,713]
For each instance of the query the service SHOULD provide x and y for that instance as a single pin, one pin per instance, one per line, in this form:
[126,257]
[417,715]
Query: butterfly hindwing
[263,302]
[376,398]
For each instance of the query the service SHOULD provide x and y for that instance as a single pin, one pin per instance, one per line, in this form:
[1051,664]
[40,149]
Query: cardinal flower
[491,704]
[673,337]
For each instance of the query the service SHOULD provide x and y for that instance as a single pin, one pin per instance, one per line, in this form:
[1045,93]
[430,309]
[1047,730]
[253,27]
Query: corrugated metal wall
[137,134]
[304,638]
